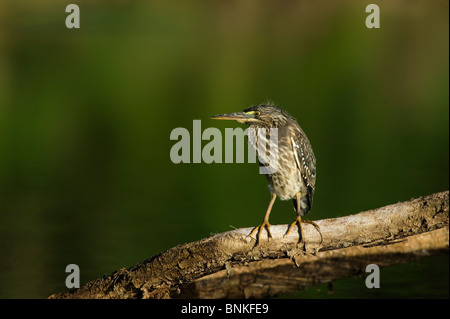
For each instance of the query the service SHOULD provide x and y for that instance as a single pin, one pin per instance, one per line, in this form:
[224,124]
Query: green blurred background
[86,115]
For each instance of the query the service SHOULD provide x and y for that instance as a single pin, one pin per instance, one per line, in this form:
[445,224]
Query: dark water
[86,117]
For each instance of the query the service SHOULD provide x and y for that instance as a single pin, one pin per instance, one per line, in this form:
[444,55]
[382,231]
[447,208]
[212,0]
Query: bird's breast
[277,162]
[286,182]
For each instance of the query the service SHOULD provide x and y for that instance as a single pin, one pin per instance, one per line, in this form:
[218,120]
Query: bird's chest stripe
[265,143]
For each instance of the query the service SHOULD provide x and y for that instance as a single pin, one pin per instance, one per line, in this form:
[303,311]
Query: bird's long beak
[239,116]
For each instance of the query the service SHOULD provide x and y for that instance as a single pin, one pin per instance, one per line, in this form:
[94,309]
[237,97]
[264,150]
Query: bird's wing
[304,156]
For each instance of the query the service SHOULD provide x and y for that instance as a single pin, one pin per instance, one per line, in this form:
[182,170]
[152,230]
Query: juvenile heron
[294,174]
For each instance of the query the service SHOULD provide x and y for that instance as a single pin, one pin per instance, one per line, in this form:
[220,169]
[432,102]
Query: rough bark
[230,265]
[273,277]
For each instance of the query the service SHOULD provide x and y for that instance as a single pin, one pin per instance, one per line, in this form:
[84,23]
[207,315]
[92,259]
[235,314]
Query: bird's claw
[259,229]
[298,221]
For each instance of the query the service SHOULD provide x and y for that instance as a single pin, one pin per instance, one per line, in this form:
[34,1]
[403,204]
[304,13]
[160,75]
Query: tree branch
[229,265]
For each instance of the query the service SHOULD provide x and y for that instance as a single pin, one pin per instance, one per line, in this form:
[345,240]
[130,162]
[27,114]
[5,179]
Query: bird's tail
[305,201]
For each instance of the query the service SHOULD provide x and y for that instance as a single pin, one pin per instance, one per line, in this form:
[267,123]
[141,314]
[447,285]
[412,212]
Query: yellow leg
[265,224]
[298,221]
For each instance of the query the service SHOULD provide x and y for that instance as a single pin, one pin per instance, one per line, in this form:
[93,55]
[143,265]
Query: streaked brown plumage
[293,174]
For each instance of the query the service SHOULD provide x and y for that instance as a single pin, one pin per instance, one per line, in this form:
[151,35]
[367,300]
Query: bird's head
[261,115]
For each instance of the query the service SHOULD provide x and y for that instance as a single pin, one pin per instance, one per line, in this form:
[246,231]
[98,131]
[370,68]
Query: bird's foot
[265,224]
[298,221]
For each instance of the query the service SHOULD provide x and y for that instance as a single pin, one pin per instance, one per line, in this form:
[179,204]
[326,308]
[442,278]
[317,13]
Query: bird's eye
[255,113]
